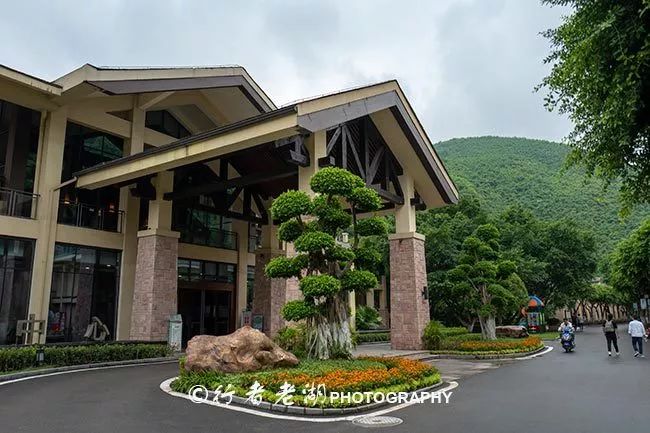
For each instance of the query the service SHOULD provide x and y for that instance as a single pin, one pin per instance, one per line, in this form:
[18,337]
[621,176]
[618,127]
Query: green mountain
[505,171]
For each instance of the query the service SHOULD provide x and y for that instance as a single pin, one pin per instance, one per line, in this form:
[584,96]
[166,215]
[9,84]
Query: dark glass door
[204,312]
[216,309]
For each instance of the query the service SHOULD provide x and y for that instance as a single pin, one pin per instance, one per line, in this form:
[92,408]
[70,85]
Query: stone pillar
[269,294]
[156,271]
[130,224]
[241,228]
[48,178]
[409,309]
[383,301]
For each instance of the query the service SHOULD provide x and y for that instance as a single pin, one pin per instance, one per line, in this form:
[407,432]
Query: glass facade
[203,227]
[85,284]
[16,257]
[19,132]
[200,270]
[250,286]
[98,209]
[163,122]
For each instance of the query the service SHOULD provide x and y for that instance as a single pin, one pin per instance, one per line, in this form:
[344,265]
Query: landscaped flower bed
[472,344]
[379,375]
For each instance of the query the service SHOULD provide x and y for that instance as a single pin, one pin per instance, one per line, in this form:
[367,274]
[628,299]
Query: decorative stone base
[409,310]
[155,291]
[270,295]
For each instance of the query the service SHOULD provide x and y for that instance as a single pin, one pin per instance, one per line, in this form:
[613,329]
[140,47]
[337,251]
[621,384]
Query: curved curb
[522,355]
[323,417]
[32,374]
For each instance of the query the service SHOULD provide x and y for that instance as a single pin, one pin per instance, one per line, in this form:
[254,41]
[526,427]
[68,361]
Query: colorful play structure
[533,315]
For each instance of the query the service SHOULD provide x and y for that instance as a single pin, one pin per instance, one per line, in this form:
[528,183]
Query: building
[133,194]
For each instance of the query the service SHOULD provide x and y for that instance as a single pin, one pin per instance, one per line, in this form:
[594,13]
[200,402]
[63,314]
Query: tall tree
[326,270]
[600,76]
[486,279]
[630,264]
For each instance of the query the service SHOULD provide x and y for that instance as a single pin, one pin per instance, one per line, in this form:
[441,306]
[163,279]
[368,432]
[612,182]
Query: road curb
[10,377]
[299,410]
[484,357]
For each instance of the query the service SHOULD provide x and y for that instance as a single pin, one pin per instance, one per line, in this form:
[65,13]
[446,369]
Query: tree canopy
[630,264]
[600,77]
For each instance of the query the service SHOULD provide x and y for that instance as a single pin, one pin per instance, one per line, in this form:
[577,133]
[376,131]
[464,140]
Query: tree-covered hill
[505,171]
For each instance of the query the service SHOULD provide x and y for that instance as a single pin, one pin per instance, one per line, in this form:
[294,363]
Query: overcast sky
[467,66]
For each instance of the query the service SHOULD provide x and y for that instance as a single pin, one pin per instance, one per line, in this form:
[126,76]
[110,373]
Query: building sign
[258,322]
[246,318]
[175,336]
[643,302]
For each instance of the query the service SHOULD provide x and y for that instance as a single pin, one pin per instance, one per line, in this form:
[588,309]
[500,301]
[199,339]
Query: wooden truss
[358,147]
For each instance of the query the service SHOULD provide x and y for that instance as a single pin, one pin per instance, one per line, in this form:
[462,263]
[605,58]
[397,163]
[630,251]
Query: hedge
[24,357]
[372,337]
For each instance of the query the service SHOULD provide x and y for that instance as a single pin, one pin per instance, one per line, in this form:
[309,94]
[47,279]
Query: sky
[468,67]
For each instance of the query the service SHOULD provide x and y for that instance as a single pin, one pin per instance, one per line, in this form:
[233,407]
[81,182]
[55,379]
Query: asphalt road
[583,391]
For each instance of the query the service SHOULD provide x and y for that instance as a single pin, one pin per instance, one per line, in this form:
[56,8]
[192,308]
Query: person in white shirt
[565,324]
[637,331]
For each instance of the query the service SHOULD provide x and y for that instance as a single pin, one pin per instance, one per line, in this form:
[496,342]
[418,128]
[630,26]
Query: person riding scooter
[567,335]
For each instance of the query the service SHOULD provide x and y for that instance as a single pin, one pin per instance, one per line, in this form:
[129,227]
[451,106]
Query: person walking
[609,328]
[637,332]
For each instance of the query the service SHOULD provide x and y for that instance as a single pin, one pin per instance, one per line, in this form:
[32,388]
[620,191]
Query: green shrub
[315,286]
[293,339]
[290,230]
[294,311]
[372,337]
[374,226]
[454,331]
[20,358]
[358,281]
[432,337]
[311,242]
[336,181]
[291,204]
[367,318]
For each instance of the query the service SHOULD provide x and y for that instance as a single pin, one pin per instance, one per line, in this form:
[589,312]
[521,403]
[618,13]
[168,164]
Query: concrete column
[241,228]
[409,309]
[131,207]
[156,273]
[49,167]
[316,145]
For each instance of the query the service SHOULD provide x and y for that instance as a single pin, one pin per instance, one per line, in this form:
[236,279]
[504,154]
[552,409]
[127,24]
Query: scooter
[568,340]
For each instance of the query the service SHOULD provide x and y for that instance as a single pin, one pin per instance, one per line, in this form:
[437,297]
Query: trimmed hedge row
[372,337]
[21,358]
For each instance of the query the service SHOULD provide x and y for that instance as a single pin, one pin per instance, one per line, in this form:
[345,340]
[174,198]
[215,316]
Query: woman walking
[609,328]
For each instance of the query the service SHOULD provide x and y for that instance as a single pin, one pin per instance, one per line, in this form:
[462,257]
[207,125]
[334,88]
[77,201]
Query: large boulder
[512,331]
[246,349]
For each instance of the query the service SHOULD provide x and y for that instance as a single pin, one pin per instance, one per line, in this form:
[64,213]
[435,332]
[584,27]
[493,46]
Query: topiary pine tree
[327,271]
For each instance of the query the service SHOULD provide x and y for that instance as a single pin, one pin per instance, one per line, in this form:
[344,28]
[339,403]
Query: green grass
[547,335]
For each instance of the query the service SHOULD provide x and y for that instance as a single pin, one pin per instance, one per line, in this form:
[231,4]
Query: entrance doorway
[206,297]
[205,311]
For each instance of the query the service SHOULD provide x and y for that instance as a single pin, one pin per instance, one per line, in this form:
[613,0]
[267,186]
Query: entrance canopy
[371,131]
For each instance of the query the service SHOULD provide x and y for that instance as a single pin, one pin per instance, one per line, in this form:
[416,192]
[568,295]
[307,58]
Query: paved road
[581,392]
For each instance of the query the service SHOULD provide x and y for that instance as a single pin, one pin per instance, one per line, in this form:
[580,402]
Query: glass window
[19,133]
[85,284]
[16,257]
[198,270]
[164,122]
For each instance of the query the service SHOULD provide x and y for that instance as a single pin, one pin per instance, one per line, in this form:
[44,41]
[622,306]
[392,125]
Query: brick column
[409,310]
[270,294]
[156,281]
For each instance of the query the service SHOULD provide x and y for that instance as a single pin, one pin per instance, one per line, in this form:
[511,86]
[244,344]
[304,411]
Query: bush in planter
[372,337]
[293,339]
[367,318]
[432,337]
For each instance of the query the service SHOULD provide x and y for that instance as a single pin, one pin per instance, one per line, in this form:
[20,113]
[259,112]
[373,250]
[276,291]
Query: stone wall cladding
[155,291]
[270,294]
[409,310]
